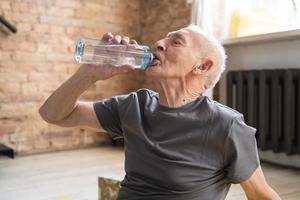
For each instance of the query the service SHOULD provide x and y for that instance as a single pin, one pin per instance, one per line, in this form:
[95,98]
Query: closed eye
[176,38]
[176,42]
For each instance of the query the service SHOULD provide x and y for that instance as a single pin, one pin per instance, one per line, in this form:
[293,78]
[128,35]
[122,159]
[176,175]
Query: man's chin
[148,72]
[154,72]
[151,69]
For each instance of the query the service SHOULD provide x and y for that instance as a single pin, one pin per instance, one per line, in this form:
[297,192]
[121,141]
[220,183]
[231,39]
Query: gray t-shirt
[192,152]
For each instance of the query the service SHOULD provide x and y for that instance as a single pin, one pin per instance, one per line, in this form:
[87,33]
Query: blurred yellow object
[64,198]
[253,22]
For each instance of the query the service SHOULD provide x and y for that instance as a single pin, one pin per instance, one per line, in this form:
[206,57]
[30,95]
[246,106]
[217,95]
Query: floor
[72,175]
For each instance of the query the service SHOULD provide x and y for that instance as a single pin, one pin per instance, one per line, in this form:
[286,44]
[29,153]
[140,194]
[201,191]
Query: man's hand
[256,187]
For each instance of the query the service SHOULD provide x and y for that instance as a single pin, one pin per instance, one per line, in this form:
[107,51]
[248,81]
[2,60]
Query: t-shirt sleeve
[107,112]
[241,151]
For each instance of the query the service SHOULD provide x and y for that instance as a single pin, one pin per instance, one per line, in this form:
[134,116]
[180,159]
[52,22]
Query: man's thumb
[127,68]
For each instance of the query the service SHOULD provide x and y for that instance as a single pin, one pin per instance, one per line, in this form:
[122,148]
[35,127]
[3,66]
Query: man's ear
[203,67]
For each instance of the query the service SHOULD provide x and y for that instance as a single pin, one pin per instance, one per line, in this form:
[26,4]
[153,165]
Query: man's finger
[119,70]
[132,41]
[117,39]
[107,37]
[127,68]
[125,40]
[124,68]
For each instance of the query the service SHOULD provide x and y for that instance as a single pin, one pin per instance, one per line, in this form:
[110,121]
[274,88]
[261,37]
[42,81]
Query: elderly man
[179,144]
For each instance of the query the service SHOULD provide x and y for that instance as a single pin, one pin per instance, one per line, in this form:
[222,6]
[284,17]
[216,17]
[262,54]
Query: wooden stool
[108,188]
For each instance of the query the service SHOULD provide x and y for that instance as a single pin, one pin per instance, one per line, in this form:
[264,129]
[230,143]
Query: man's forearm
[268,194]
[64,99]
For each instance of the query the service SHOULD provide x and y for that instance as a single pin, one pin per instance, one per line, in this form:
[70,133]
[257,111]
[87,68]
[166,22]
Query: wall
[160,17]
[39,58]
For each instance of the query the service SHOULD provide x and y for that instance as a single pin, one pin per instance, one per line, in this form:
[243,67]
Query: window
[233,18]
[252,17]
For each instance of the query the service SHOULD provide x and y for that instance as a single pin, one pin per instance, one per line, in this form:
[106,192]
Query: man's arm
[63,108]
[256,187]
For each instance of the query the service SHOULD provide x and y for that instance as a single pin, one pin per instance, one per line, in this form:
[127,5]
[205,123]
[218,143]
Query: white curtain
[201,16]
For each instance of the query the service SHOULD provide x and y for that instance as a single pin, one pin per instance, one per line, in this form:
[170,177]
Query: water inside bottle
[89,51]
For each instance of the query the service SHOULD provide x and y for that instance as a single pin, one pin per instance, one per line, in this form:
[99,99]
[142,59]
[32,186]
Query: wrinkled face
[177,54]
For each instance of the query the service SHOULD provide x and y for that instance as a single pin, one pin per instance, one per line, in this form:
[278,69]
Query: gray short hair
[216,52]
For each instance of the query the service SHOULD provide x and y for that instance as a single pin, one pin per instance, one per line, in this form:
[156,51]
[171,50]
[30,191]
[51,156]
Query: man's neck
[176,93]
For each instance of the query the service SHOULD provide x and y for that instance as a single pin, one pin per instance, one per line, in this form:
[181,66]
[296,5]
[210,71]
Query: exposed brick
[69,4]
[47,67]
[41,28]
[44,47]
[21,7]
[42,78]
[45,3]
[24,17]
[9,45]
[24,27]
[37,60]
[53,85]
[27,46]
[5,5]
[57,29]
[7,66]
[10,88]
[38,8]
[67,12]
[58,134]
[17,111]
[57,57]
[24,67]
[36,37]
[37,97]
[65,41]
[61,49]
[7,129]
[29,57]
[12,77]
[29,88]
[95,7]
[41,145]
[72,30]
[60,12]
[5,56]
[55,20]
[60,68]
[23,146]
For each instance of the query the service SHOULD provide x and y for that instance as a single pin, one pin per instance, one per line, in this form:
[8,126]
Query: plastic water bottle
[93,51]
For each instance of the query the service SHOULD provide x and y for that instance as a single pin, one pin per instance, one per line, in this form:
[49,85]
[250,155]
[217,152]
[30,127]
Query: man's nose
[160,45]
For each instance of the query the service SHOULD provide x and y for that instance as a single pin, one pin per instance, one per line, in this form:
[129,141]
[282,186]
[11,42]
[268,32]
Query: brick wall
[160,17]
[36,60]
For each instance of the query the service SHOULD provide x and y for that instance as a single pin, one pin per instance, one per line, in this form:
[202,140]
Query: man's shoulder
[145,92]
[224,112]
[145,95]
[138,96]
